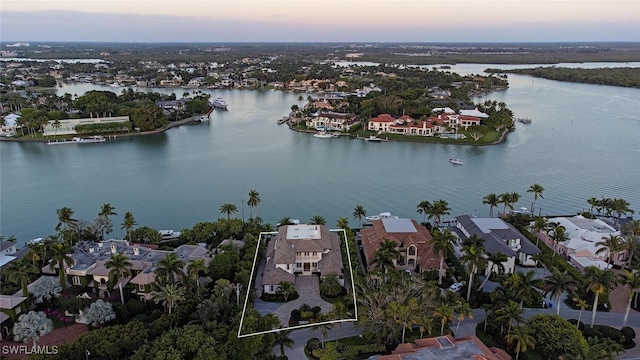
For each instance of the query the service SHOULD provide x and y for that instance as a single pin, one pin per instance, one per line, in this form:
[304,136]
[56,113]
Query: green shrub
[628,333]
[135,307]
[611,333]
[312,344]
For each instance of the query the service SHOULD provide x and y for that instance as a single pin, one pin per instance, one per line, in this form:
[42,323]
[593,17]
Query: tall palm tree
[537,190]
[358,213]
[610,245]
[228,209]
[442,245]
[254,201]
[497,260]
[493,201]
[438,209]
[282,339]
[342,223]
[523,339]
[464,311]
[105,211]
[423,208]
[539,225]
[446,315]
[168,268]
[403,315]
[632,281]
[508,314]
[19,272]
[318,220]
[65,219]
[558,283]
[119,268]
[630,244]
[474,258]
[558,234]
[593,202]
[62,260]
[620,207]
[195,268]
[598,281]
[581,304]
[524,286]
[385,255]
[128,223]
[170,295]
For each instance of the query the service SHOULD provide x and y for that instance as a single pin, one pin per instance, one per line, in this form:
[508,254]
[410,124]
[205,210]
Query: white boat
[219,103]
[325,135]
[455,161]
[373,138]
[169,234]
[383,215]
[79,140]
[202,119]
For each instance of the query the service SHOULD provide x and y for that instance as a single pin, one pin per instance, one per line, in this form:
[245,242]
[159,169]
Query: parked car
[455,287]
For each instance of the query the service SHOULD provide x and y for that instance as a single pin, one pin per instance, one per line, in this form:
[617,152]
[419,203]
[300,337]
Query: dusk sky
[320,21]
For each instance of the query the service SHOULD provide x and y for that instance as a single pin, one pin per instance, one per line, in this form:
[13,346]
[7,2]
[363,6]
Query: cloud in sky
[313,21]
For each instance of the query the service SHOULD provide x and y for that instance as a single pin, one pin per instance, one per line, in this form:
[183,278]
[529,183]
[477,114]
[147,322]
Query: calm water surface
[583,142]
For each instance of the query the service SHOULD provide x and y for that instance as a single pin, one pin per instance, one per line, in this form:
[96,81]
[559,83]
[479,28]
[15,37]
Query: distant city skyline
[326,21]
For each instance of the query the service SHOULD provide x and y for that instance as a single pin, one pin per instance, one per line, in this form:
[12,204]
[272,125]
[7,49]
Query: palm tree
[539,225]
[318,220]
[620,207]
[106,211]
[65,218]
[358,213]
[128,223]
[558,235]
[330,286]
[522,337]
[593,202]
[423,208]
[61,259]
[524,286]
[438,209]
[463,310]
[630,243]
[558,283]
[19,272]
[285,221]
[446,315]
[343,223]
[195,268]
[170,295]
[403,314]
[385,255]
[474,258]
[425,323]
[610,245]
[286,289]
[168,268]
[582,304]
[508,314]
[120,268]
[228,209]
[493,201]
[631,280]
[282,339]
[537,190]
[442,245]
[598,281]
[254,201]
[497,260]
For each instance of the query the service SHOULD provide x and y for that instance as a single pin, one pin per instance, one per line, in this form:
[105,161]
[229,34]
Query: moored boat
[323,135]
[79,140]
[220,103]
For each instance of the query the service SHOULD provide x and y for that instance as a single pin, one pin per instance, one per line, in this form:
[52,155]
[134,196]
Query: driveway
[308,287]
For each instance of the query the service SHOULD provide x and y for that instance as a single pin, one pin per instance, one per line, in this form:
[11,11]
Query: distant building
[445,347]
[299,250]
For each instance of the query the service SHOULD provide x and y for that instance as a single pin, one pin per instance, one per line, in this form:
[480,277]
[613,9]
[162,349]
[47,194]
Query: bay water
[584,142]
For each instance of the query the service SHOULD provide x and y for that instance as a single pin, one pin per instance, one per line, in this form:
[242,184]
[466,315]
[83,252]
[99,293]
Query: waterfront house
[329,120]
[380,123]
[89,259]
[299,250]
[499,237]
[10,308]
[406,125]
[68,126]
[583,234]
[413,241]
[9,125]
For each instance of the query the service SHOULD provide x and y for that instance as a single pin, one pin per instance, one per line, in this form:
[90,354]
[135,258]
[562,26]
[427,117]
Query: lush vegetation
[621,76]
